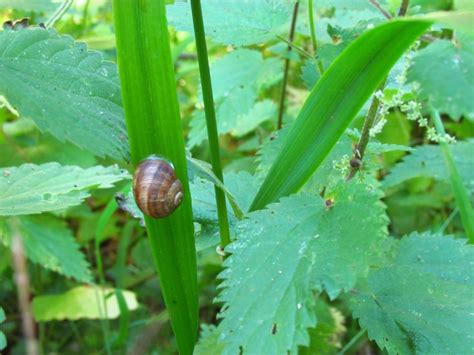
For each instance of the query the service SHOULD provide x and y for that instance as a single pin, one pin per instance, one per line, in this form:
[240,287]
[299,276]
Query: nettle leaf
[451,89]
[421,301]
[428,161]
[3,339]
[237,79]
[284,253]
[31,189]
[49,243]
[239,26]
[83,302]
[65,88]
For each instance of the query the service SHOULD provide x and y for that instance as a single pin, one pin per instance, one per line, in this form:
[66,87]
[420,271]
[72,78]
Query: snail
[157,190]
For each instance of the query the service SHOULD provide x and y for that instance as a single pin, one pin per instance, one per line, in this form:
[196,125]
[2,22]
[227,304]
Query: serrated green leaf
[66,89]
[31,189]
[3,339]
[458,20]
[285,252]
[49,243]
[445,72]
[239,27]
[421,301]
[333,103]
[428,161]
[83,302]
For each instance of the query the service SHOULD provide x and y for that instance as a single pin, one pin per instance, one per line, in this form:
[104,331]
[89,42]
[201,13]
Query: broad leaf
[83,302]
[283,253]
[333,103]
[49,243]
[239,26]
[30,189]
[66,89]
[421,301]
[31,5]
[428,161]
[445,72]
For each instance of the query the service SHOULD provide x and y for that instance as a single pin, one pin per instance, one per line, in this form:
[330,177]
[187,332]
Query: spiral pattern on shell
[157,190]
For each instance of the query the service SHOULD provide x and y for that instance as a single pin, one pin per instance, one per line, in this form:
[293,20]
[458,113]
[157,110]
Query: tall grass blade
[154,127]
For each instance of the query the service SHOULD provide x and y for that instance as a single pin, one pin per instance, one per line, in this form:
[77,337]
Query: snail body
[157,190]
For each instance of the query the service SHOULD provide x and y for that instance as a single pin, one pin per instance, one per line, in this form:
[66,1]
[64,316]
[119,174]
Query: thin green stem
[295,47]
[359,150]
[351,342]
[461,195]
[85,17]
[313,37]
[210,111]
[287,66]
[62,9]
[448,220]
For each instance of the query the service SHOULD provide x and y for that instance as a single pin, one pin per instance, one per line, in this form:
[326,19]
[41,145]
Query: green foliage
[237,79]
[453,63]
[293,248]
[332,105]
[209,343]
[49,243]
[81,302]
[266,19]
[31,189]
[419,300]
[325,338]
[427,161]
[3,340]
[66,89]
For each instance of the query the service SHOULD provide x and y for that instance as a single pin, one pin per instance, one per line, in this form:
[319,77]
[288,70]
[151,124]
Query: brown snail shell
[157,190]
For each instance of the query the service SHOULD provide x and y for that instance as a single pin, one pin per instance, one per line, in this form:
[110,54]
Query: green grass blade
[154,127]
[333,103]
[463,200]
[211,124]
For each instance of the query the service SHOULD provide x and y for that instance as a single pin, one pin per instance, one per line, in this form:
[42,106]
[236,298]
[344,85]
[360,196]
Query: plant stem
[403,8]
[351,342]
[59,13]
[287,66]
[461,195]
[210,112]
[85,15]
[359,150]
[380,8]
[22,281]
[313,37]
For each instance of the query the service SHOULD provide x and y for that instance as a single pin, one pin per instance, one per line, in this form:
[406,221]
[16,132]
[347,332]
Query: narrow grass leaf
[333,103]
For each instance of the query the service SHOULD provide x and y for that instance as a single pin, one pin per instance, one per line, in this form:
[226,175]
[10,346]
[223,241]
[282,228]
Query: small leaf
[421,301]
[209,343]
[83,302]
[286,251]
[428,161]
[65,88]
[31,188]
[445,72]
[49,243]
[239,26]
